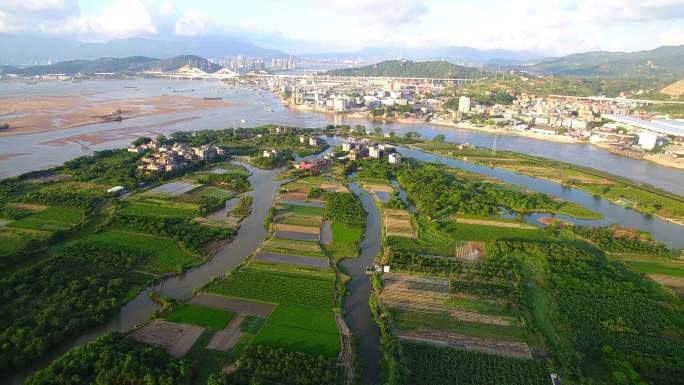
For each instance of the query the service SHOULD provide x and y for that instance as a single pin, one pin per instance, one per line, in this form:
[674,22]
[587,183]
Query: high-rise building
[464,104]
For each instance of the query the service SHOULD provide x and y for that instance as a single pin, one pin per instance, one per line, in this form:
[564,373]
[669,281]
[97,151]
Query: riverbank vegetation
[113,359]
[643,198]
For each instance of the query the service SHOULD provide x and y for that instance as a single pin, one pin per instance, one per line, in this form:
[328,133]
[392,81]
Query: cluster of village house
[178,156]
[363,149]
[355,150]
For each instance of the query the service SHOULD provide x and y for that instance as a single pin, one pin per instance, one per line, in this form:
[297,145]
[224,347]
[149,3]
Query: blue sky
[298,26]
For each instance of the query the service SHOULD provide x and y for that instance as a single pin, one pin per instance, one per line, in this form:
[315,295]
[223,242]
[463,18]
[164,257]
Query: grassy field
[290,246]
[305,330]
[342,250]
[664,268]
[148,244]
[196,195]
[406,244]
[412,320]
[282,288]
[468,232]
[303,210]
[232,168]
[51,219]
[202,316]
[15,239]
[159,209]
[345,235]
[167,260]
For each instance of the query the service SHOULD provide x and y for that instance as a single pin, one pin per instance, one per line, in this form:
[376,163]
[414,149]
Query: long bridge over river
[226,74]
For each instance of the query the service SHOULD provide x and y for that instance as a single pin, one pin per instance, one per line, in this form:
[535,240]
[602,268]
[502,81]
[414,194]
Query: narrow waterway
[139,310]
[669,233]
[357,313]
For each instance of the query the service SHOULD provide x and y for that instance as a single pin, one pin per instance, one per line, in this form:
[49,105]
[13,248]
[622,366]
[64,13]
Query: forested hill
[411,69]
[663,62]
[130,64]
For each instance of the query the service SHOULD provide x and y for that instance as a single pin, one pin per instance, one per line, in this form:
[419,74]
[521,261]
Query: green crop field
[158,209]
[61,214]
[310,319]
[252,324]
[468,232]
[303,210]
[298,339]
[446,366]
[167,260]
[287,289]
[51,219]
[290,246]
[202,316]
[671,269]
[311,272]
[342,250]
[147,244]
[345,235]
[411,320]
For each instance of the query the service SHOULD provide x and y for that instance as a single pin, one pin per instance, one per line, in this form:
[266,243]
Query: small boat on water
[130,86]
[31,83]
[212,98]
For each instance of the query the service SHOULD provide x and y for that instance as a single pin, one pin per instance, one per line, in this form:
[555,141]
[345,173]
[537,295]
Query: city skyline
[300,27]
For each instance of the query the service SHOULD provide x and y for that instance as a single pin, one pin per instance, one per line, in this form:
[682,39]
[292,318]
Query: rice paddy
[201,316]
[309,331]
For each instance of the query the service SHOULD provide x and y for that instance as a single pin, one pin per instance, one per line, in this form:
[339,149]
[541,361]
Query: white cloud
[387,12]
[194,23]
[45,9]
[672,37]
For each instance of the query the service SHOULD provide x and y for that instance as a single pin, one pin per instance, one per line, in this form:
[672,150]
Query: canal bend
[357,313]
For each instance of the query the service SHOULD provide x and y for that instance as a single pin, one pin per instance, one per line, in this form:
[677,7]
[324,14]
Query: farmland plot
[289,246]
[175,338]
[443,366]
[287,289]
[398,223]
[306,330]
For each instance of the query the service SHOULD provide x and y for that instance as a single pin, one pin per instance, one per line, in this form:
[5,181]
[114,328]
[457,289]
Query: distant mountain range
[126,65]
[24,49]
[461,55]
[407,68]
[662,62]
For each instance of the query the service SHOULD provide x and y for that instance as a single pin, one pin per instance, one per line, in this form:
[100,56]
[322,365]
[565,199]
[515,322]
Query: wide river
[28,152]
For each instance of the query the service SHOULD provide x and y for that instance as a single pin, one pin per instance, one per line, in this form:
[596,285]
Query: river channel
[249,107]
[357,313]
